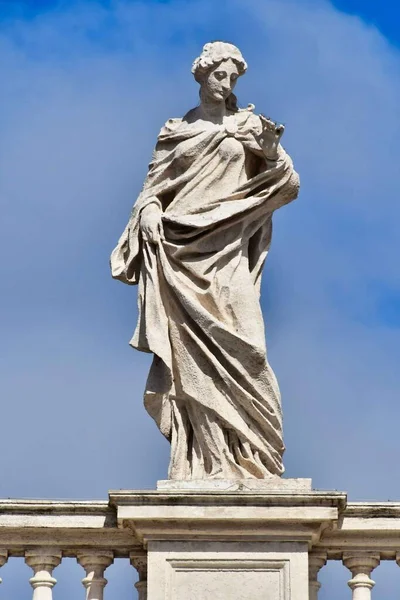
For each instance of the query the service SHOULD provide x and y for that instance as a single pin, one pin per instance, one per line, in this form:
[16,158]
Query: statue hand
[150,223]
[270,137]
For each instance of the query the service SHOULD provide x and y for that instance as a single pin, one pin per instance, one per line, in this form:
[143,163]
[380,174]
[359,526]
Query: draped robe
[210,389]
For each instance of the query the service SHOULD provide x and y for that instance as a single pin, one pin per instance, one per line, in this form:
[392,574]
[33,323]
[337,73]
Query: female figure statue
[196,243]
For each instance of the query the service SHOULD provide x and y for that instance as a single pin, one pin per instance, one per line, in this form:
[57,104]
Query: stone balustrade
[45,532]
[365,534]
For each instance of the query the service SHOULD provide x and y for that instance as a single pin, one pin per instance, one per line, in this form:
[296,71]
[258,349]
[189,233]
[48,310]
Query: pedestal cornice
[227,515]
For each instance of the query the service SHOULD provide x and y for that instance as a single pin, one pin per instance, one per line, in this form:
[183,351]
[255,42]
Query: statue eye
[220,75]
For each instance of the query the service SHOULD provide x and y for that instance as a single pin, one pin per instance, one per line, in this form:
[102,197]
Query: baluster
[316,560]
[95,563]
[361,564]
[139,561]
[43,561]
[3,558]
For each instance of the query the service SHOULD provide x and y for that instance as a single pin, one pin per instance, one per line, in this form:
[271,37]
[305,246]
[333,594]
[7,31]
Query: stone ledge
[240,485]
[227,498]
[227,515]
[72,526]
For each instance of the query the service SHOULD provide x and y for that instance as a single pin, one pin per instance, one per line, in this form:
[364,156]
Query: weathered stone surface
[214,545]
[264,485]
[196,243]
[95,562]
[221,514]
[372,526]
[218,571]
[181,539]
[71,525]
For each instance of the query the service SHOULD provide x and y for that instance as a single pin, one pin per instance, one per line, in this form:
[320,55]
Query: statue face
[219,83]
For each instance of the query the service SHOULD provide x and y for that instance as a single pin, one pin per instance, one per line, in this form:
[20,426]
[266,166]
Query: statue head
[217,70]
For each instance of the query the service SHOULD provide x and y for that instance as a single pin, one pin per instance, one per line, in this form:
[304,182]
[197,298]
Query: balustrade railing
[45,532]
[365,534]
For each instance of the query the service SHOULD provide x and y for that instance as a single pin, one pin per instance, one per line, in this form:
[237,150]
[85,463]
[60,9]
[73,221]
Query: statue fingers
[149,234]
[144,232]
[267,123]
[154,235]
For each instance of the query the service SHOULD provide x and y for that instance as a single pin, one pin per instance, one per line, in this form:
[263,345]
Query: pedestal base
[273,484]
[222,544]
[204,570]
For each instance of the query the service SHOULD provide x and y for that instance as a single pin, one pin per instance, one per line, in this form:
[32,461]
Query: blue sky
[85,89]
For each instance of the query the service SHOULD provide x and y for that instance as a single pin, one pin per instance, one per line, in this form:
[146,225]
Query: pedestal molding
[261,516]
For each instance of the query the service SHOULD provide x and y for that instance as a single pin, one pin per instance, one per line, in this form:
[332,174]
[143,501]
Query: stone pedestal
[215,541]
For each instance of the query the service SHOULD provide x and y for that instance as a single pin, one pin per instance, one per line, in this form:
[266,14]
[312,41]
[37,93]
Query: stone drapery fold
[210,388]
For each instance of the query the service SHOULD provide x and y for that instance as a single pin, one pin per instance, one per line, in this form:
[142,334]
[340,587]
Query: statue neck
[212,111]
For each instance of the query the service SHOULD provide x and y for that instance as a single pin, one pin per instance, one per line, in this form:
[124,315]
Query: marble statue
[195,244]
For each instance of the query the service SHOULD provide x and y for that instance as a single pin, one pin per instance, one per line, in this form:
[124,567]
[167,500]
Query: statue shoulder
[170,126]
[179,126]
[251,119]
[246,117]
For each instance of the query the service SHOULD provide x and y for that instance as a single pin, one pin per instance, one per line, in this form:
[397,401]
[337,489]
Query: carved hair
[213,54]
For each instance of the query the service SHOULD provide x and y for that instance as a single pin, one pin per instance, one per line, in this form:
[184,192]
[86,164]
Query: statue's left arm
[261,138]
[275,179]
